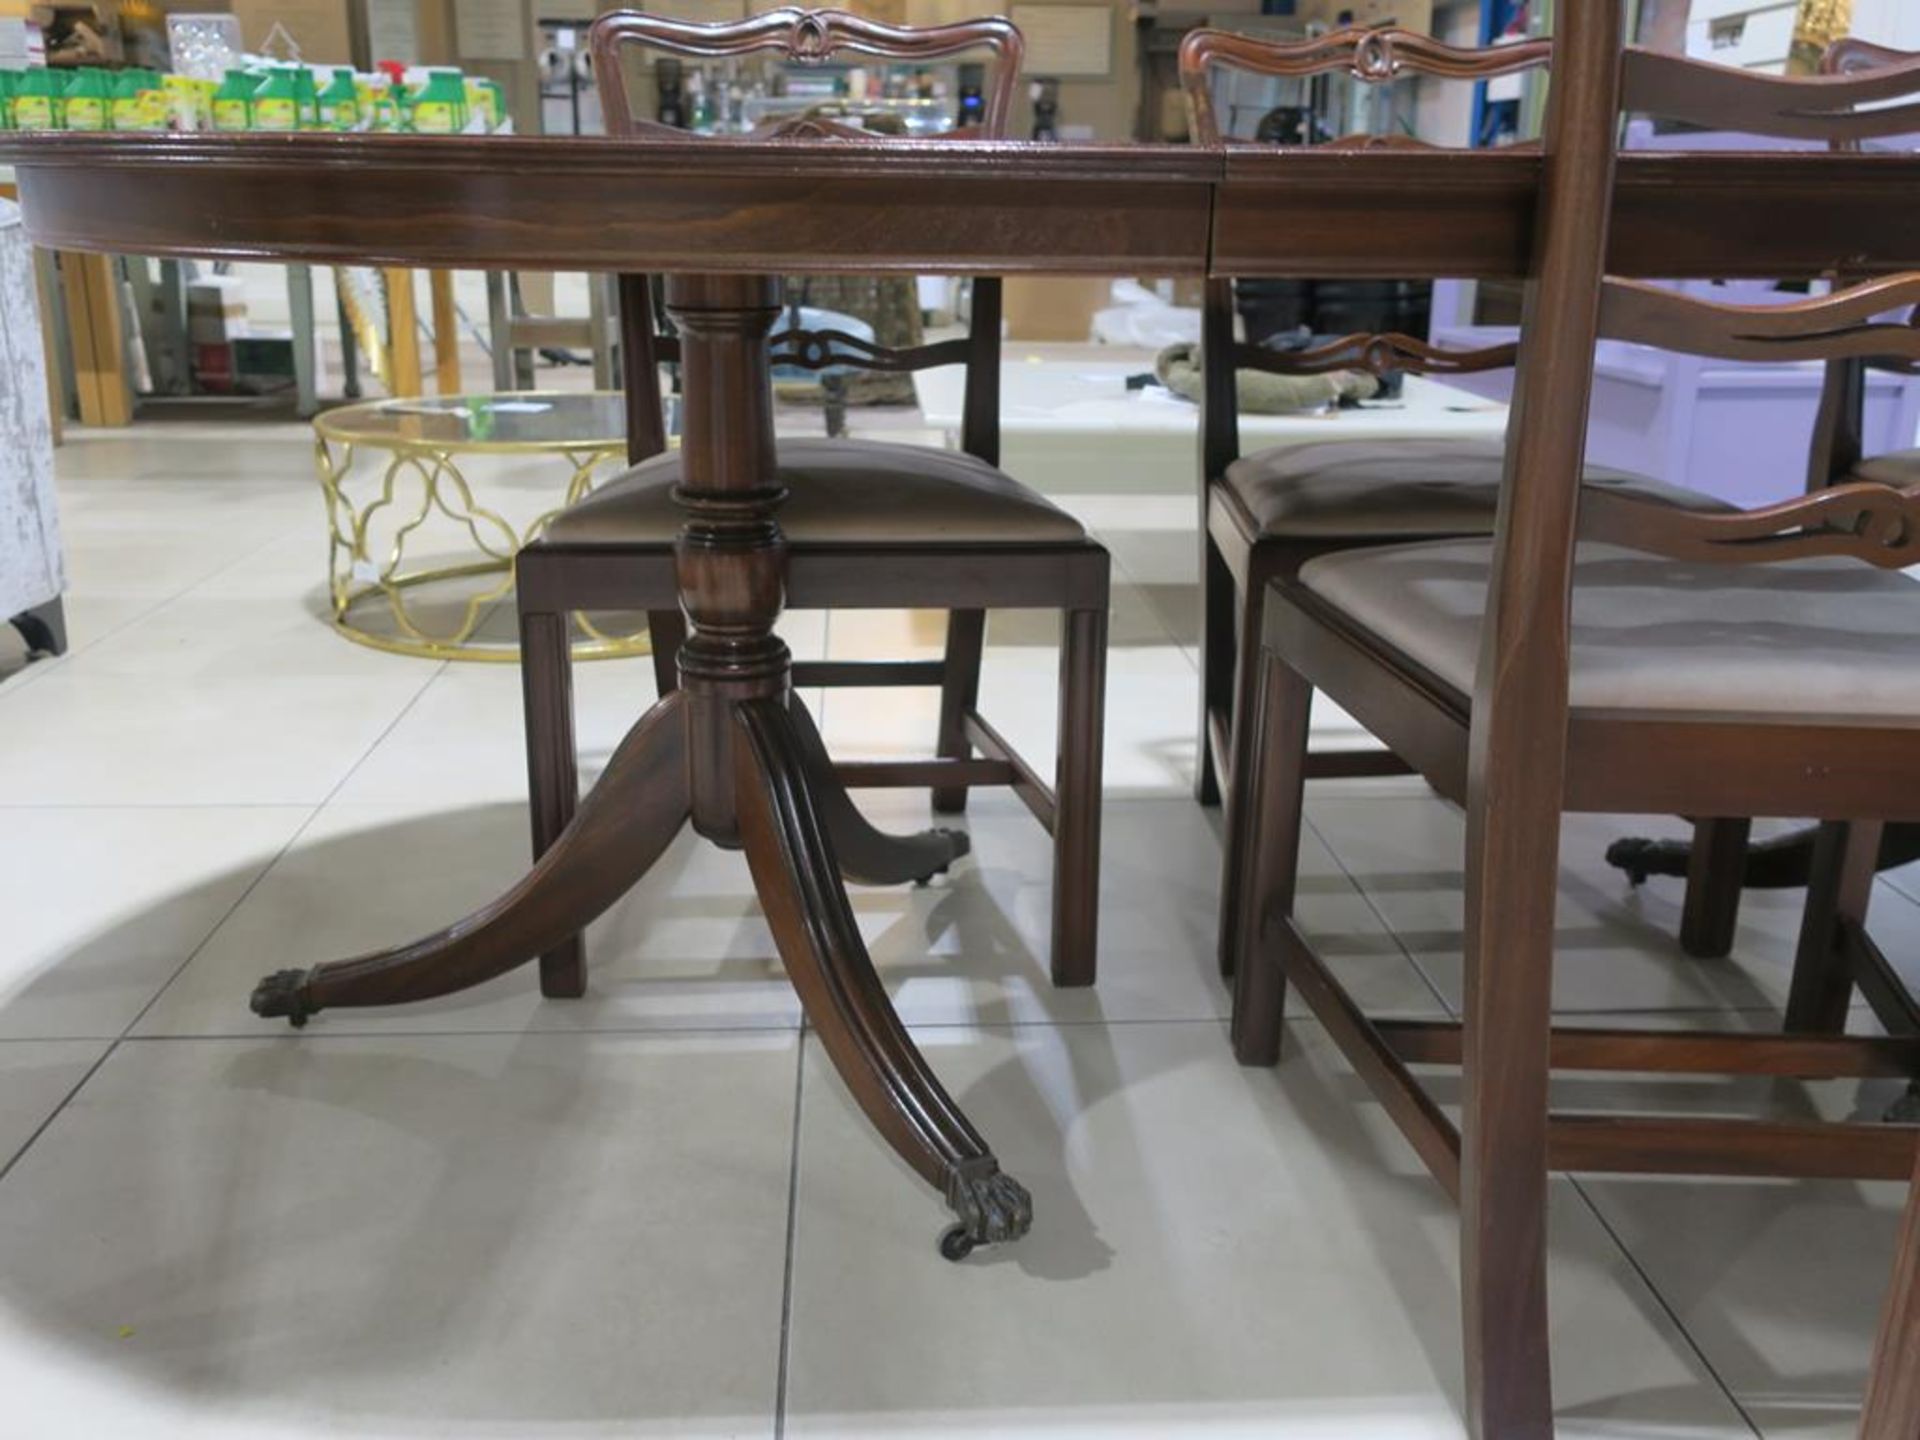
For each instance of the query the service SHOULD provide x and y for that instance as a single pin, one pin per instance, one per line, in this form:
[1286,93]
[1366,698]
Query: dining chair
[1893,1388]
[1265,515]
[1722,860]
[1607,652]
[866,525]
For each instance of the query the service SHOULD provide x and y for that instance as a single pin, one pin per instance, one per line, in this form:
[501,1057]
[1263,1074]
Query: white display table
[1069,424]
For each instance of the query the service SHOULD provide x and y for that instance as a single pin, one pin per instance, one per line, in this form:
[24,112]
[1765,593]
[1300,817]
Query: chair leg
[959,697]
[1217,605]
[1716,876]
[1845,857]
[1077,780]
[1893,1390]
[1263,858]
[1512,866]
[553,776]
[667,632]
[1244,742]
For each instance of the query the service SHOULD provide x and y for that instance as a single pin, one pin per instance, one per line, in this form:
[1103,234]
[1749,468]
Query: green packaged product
[276,103]
[39,101]
[139,103]
[340,103]
[233,102]
[440,108]
[89,100]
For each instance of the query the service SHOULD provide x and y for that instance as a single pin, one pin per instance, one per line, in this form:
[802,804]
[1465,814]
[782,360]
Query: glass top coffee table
[429,501]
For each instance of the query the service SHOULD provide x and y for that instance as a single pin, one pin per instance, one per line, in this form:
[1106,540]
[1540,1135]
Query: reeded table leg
[798,877]
[623,825]
[731,751]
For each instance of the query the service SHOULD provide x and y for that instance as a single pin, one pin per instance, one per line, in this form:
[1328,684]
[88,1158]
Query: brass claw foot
[993,1209]
[962,846]
[284,993]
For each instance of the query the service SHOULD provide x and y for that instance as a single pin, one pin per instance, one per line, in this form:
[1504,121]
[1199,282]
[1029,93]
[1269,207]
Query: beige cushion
[1410,489]
[1900,470]
[1809,637]
[841,491]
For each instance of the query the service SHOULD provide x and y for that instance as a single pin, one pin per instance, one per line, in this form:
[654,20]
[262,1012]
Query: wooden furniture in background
[1893,1390]
[99,349]
[1644,670]
[1264,515]
[900,526]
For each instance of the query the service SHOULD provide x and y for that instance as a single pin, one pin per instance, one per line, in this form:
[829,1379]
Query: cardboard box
[1052,307]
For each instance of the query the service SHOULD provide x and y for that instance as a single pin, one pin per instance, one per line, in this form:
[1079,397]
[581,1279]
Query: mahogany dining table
[720,219]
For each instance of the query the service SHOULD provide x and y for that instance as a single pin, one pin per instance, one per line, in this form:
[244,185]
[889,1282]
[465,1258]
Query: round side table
[376,513]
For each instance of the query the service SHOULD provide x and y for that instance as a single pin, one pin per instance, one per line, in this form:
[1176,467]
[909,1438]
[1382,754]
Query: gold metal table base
[421,481]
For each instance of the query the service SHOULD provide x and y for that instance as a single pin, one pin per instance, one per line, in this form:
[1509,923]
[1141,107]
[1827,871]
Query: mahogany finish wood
[1893,1389]
[556,578]
[746,208]
[1517,757]
[803,37]
[1238,557]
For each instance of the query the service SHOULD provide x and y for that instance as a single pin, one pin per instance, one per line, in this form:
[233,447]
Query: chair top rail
[1377,355]
[1861,521]
[1374,57]
[805,37]
[1840,326]
[1806,107]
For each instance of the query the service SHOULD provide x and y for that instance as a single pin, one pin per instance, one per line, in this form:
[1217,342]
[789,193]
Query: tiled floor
[654,1211]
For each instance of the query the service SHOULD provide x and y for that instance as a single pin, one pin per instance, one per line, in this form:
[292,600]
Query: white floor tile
[974,948]
[101,906]
[80,738]
[686,950]
[35,1077]
[1215,1252]
[510,1236]
[1779,1282]
[1617,947]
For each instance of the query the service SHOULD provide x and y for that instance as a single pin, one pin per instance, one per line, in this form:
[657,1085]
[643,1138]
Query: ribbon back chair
[1606,651]
[867,525]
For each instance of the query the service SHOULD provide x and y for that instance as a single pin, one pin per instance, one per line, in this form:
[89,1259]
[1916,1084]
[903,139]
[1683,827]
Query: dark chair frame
[1517,757]
[554,580]
[1237,559]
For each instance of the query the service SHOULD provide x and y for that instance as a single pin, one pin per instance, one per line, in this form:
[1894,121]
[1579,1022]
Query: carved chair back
[811,37]
[1863,93]
[1371,57]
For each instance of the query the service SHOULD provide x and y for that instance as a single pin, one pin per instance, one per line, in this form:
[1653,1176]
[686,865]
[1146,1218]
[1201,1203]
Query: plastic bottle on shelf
[276,102]
[233,102]
[39,101]
[306,91]
[137,101]
[440,106]
[340,102]
[89,100]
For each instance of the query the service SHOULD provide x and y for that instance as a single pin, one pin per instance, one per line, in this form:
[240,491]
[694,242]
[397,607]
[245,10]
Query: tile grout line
[1374,910]
[281,854]
[126,1032]
[28,674]
[783,1368]
[1633,1262]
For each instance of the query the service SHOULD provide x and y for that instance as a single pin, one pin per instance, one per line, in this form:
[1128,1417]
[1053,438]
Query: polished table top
[931,206]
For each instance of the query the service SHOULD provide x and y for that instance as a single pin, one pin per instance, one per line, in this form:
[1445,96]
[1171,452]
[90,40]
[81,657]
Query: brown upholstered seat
[842,492]
[1901,469]
[1393,489]
[1781,642]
